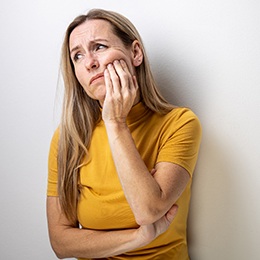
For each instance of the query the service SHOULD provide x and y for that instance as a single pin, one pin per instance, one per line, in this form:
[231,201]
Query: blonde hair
[80,113]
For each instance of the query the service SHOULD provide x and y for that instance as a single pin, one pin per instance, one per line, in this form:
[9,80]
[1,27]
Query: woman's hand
[121,92]
[147,233]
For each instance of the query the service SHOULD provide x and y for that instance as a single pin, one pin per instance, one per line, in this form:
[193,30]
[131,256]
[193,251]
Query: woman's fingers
[126,77]
[170,215]
[149,232]
[108,83]
[153,171]
[121,90]
[121,77]
[120,83]
[115,78]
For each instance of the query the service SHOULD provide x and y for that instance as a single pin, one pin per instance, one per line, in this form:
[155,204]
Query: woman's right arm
[68,241]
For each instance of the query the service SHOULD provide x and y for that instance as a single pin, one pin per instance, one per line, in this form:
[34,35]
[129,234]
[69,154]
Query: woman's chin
[101,99]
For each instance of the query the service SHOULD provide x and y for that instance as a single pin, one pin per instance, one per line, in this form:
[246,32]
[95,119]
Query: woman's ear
[137,53]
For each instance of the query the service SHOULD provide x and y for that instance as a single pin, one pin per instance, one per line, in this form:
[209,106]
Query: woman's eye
[100,46]
[77,56]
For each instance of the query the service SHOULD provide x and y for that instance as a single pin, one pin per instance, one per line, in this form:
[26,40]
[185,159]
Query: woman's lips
[96,77]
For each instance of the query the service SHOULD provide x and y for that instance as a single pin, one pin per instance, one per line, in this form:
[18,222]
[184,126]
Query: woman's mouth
[96,77]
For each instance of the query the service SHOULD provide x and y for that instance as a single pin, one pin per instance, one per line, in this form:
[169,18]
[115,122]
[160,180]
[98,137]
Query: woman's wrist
[116,127]
[144,235]
[116,122]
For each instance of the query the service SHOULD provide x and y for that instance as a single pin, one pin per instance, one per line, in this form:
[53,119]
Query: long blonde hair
[80,113]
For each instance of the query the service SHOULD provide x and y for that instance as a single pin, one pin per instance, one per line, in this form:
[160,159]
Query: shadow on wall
[217,217]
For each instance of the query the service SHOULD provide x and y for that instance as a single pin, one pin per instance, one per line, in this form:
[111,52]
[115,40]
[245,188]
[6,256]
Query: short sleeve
[53,166]
[181,139]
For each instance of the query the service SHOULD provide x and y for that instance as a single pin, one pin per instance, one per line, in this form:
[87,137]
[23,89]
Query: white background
[205,54]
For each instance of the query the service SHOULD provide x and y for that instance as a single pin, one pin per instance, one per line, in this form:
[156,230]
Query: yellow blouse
[175,138]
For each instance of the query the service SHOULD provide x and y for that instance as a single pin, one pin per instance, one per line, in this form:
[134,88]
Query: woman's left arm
[150,196]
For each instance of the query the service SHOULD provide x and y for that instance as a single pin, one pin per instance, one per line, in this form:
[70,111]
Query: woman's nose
[91,61]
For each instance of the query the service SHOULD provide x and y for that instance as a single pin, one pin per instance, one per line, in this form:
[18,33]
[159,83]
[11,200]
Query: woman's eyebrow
[75,48]
[91,42]
[94,41]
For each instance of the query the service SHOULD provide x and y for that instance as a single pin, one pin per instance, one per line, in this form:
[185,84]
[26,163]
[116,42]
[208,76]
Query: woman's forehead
[91,30]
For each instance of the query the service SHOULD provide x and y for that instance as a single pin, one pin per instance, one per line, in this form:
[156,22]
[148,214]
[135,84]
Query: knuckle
[117,96]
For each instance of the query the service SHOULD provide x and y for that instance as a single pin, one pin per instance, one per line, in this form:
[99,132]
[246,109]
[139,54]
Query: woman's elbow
[59,256]
[58,252]
[58,249]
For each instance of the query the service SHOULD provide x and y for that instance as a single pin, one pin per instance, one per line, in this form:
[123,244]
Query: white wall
[205,55]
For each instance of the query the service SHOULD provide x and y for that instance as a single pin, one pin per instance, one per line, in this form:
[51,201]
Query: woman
[121,161]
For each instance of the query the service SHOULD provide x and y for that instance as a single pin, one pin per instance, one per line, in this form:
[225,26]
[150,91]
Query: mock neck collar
[137,112]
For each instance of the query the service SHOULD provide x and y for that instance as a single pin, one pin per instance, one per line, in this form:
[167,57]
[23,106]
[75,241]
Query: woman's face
[93,46]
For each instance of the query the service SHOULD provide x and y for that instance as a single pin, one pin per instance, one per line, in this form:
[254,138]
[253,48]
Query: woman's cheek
[81,78]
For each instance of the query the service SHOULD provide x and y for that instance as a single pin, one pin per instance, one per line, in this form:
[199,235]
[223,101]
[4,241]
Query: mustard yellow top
[175,138]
